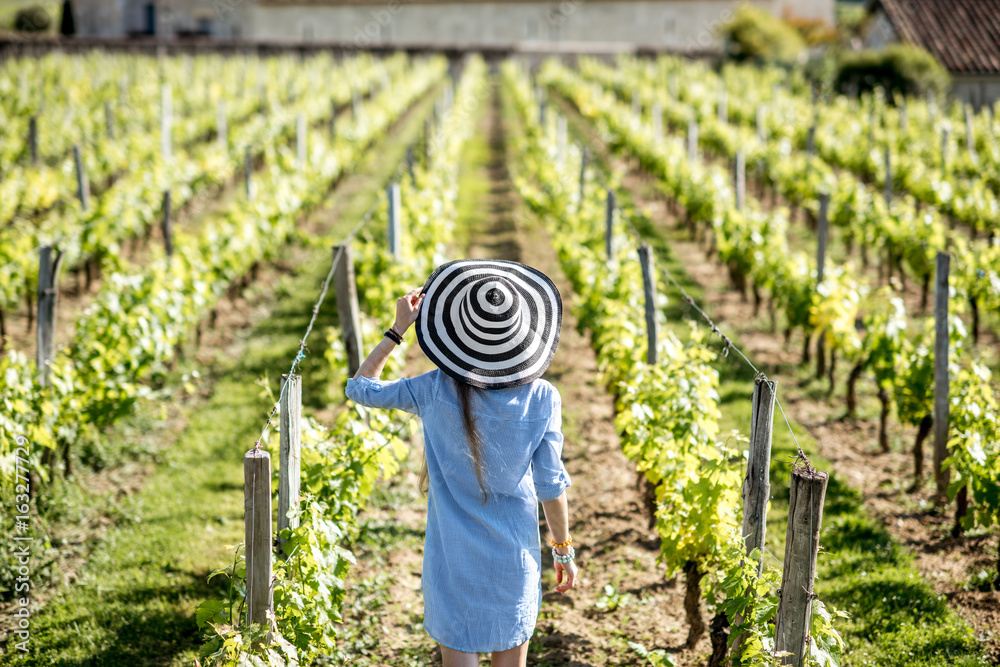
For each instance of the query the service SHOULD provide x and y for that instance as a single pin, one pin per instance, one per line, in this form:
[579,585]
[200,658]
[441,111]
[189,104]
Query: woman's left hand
[407,308]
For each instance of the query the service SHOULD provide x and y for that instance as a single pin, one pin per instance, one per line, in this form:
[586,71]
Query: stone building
[964,35]
[581,25]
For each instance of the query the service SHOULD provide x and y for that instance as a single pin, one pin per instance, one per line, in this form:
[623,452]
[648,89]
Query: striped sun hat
[490,323]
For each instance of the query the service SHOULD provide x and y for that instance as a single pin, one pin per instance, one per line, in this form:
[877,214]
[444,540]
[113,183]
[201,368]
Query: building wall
[977,90]
[165,18]
[660,24]
[673,24]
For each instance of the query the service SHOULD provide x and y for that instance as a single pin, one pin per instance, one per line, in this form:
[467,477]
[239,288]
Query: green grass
[896,618]
[135,599]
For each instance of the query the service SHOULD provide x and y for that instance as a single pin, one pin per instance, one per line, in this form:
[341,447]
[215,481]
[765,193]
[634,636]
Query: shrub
[900,68]
[754,34]
[32,19]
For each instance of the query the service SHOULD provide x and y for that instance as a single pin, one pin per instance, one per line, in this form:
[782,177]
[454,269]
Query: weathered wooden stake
[356,104]
[33,139]
[166,121]
[944,148]
[903,118]
[347,306]
[166,224]
[636,104]
[395,223]
[109,120]
[48,295]
[805,515]
[290,457]
[970,140]
[561,139]
[409,165]
[740,179]
[811,140]
[761,127]
[941,379]
[609,223]
[692,140]
[333,120]
[257,527]
[82,185]
[541,114]
[888,175]
[300,141]
[657,120]
[757,483]
[822,231]
[821,235]
[222,126]
[723,106]
[247,171]
[646,259]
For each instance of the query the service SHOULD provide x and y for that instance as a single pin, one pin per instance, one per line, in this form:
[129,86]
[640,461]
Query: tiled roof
[964,35]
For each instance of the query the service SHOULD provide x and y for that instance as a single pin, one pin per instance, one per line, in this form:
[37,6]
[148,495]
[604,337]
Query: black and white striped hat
[490,323]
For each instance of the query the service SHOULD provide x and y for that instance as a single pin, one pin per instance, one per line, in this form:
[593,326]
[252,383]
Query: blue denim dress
[482,562]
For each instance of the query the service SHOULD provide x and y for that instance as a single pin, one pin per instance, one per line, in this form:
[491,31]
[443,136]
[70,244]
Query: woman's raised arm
[407,308]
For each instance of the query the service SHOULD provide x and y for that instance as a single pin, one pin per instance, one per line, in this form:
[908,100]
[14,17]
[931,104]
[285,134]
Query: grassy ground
[134,601]
[896,617]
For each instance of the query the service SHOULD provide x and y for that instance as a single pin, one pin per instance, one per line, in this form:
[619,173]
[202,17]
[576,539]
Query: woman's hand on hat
[407,308]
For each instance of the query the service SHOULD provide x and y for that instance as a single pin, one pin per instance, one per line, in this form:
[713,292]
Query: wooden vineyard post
[761,128]
[48,294]
[822,230]
[395,224]
[347,306]
[409,165]
[584,157]
[649,291]
[692,140]
[805,515]
[657,120]
[167,225]
[757,483]
[636,105]
[33,138]
[541,114]
[166,121]
[290,456]
[82,186]
[941,379]
[970,141]
[333,120]
[723,107]
[944,148]
[247,170]
[609,223]
[257,525]
[109,120]
[561,139]
[888,176]
[300,141]
[811,140]
[222,127]
[740,179]
[355,104]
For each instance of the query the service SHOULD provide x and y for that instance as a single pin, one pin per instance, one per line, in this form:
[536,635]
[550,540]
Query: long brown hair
[472,434]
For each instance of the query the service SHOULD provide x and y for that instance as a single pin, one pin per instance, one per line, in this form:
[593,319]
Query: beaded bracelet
[559,558]
[393,336]
[569,541]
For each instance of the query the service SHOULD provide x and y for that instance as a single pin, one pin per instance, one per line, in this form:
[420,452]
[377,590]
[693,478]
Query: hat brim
[481,358]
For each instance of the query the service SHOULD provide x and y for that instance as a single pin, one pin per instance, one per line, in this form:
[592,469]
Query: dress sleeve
[402,394]
[547,468]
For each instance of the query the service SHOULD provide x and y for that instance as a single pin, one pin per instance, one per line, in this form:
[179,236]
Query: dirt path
[851,446]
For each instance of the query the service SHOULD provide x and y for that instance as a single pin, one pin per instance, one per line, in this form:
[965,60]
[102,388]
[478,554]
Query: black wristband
[394,337]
